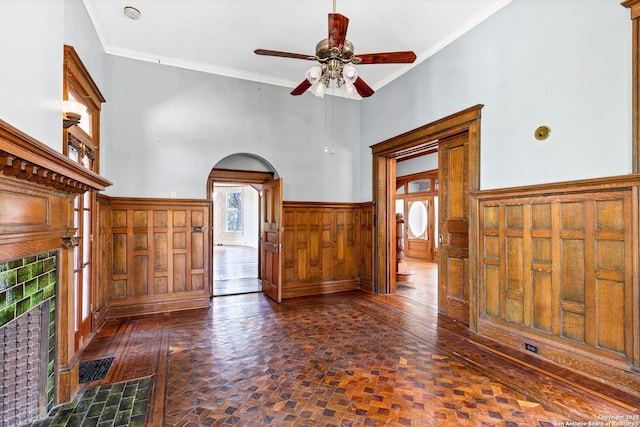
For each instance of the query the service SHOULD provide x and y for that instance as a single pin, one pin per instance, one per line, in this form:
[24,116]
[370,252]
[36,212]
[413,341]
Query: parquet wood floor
[347,359]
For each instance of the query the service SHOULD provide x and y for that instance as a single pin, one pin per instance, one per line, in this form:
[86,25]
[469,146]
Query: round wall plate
[542,133]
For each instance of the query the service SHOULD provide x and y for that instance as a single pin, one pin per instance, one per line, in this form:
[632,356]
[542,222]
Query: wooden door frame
[218,175]
[411,144]
[431,175]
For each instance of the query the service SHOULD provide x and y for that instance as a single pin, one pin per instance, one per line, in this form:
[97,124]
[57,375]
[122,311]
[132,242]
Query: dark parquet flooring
[347,359]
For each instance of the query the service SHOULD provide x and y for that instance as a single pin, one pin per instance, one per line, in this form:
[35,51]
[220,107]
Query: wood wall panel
[161,255]
[557,269]
[366,250]
[322,248]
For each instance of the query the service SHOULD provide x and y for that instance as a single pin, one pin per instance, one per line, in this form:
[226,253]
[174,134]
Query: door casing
[410,144]
[255,178]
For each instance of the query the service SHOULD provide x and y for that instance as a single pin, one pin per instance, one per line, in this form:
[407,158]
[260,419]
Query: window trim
[78,81]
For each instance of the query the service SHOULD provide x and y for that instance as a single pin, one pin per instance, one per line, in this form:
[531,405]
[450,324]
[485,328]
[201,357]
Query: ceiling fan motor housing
[323,51]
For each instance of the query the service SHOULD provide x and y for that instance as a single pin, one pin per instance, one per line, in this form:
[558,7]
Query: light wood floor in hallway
[347,359]
[235,270]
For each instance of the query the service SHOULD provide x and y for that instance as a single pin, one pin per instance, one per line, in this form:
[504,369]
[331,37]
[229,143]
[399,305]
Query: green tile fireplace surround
[26,283]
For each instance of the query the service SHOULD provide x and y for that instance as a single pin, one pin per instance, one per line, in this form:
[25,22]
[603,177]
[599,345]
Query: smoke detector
[131,13]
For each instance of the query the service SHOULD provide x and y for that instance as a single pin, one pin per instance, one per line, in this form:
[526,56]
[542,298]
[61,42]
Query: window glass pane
[420,185]
[418,219]
[73,153]
[86,237]
[234,212]
[85,293]
[400,206]
[400,190]
[76,281]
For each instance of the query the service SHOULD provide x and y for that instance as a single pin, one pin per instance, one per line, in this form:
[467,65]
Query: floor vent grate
[94,370]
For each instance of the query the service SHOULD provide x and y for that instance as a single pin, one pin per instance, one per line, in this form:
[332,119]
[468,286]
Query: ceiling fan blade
[337,30]
[404,57]
[363,89]
[267,52]
[301,88]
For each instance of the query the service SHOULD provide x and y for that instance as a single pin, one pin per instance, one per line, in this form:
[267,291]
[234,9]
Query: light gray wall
[31,54]
[80,33]
[170,126]
[562,63]
[32,36]
[417,164]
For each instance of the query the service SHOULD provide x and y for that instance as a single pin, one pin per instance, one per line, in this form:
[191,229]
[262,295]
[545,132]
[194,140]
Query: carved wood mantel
[37,189]
[25,158]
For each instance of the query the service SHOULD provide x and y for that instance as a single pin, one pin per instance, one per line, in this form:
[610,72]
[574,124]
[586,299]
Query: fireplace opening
[27,338]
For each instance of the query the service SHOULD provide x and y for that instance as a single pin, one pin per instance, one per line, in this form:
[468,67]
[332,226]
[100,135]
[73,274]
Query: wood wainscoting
[327,247]
[556,273]
[160,256]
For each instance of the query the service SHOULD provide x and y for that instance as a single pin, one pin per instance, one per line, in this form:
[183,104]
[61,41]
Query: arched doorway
[238,239]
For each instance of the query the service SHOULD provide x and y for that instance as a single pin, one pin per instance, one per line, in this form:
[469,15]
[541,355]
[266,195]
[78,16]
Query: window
[81,144]
[234,212]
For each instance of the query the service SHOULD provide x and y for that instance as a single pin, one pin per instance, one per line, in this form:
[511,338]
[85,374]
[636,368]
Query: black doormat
[94,370]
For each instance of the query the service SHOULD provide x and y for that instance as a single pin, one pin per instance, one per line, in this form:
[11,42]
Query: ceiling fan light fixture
[319,89]
[349,76]
[314,74]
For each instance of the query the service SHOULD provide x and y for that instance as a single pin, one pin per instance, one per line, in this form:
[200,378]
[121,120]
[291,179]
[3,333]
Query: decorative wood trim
[79,140]
[248,177]
[407,145]
[634,6]
[26,158]
[77,71]
[402,180]
[69,242]
[427,136]
[567,187]
[159,203]
[618,364]
[320,205]
[77,80]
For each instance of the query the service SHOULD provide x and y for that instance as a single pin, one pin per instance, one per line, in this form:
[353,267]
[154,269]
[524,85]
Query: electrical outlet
[530,347]
[174,194]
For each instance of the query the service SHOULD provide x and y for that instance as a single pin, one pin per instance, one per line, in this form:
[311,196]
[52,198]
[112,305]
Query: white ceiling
[219,36]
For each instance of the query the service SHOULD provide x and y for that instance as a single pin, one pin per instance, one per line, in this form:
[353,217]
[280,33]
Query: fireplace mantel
[38,186]
[26,158]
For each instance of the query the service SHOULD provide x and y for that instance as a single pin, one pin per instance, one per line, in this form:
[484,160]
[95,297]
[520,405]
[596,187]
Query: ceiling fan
[335,56]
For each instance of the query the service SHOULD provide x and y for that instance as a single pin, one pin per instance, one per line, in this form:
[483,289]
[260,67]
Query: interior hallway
[235,270]
[346,359]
